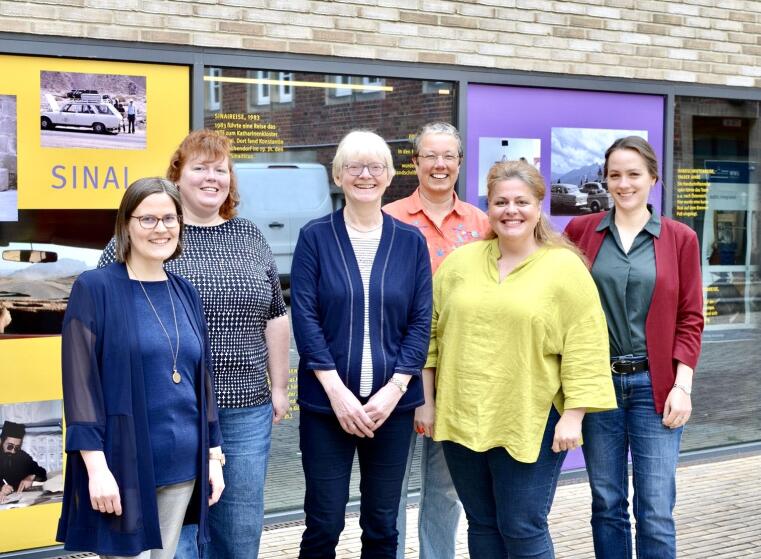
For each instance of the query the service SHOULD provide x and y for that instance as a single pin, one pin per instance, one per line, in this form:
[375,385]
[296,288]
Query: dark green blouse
[625,282]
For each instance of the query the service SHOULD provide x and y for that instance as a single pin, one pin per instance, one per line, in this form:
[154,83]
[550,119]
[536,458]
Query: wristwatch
[217,455]
[399,384]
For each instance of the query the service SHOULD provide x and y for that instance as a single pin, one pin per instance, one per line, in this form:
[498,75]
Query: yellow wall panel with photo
[67,164]
[30,372]
[61,166]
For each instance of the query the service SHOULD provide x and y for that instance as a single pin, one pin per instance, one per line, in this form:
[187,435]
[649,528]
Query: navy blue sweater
[327,305]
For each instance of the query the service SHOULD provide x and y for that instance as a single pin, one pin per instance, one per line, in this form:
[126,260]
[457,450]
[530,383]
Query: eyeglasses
[11,446]
[432,158]
[355,169]
[170,221]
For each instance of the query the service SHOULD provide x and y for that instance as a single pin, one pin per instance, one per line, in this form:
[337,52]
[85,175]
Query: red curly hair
[211,146]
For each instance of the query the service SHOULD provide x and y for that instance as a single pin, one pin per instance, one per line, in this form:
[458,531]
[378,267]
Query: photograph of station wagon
[105,111]
[578,183]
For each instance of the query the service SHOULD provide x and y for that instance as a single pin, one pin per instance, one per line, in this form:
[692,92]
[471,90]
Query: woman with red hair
[228,260]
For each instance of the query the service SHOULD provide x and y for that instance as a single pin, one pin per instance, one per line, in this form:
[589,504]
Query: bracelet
[399,384]
[683,388]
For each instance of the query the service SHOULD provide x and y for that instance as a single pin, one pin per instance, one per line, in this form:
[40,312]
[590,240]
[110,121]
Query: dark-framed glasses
[11,446]
[151,221]
[432,158]
[355,169]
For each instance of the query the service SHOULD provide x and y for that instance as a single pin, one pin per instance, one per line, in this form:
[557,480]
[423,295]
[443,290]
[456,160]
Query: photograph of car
[77,93]
[598,197]
[565,198]
[578,159]
[93,111]
[100,117]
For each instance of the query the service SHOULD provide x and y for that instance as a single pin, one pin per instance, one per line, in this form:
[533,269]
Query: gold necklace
[176,377]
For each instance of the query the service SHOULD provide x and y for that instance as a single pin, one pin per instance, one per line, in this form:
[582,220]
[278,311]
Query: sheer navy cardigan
[105,409]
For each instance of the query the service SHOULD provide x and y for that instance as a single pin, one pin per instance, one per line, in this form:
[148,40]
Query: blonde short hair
[359,142]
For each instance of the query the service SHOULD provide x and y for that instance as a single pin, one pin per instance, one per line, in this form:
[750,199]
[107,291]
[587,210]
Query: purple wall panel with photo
[527,112]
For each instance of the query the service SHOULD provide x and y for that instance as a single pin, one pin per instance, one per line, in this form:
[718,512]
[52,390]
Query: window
[285,89]
[214,90]
[283,152]
[716,192]
[262,89]
[342,91]
[374,83]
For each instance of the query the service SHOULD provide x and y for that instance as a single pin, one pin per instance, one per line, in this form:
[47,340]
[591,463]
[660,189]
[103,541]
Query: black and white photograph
[31,453]
[98,111]
[36,275]
[495,150]
[8,159]
[578,185]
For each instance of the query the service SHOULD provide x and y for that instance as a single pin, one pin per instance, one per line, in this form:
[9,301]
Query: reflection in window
[717,149]
[213,90]
[342,91]
[283,153]
[285,89]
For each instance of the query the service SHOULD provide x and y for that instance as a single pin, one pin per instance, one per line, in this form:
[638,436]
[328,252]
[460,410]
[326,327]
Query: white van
[280,198]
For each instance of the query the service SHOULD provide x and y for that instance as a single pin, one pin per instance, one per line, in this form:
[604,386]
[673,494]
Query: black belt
[627,366]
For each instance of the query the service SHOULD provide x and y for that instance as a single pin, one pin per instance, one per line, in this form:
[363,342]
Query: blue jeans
[507,502]
[440,509]
[327,452]
[235,522]
[608,436]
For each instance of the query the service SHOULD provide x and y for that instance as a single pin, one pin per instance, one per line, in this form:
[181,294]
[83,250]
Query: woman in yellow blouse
[519,347]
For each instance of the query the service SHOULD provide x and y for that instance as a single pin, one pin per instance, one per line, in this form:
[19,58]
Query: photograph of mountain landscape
[577,159]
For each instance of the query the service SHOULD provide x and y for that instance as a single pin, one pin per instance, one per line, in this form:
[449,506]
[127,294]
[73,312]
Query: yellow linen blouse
[505,352]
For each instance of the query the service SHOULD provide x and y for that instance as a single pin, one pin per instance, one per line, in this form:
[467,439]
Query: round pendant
[176,377]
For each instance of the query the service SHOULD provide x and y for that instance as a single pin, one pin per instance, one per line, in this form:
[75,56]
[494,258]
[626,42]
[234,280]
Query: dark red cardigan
[675,319]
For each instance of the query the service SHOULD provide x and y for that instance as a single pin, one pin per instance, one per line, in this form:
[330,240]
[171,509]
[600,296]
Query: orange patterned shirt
[463,225]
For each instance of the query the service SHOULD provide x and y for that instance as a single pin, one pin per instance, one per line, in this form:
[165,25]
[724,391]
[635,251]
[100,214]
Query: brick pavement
[718,515]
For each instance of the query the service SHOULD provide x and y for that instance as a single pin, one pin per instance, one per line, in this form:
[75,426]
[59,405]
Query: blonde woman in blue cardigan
[361,302]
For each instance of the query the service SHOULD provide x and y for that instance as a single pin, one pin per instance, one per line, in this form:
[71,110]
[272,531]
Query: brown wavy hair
[544,234]
[211,146]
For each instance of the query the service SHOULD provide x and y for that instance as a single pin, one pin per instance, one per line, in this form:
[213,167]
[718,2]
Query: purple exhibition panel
[565,134]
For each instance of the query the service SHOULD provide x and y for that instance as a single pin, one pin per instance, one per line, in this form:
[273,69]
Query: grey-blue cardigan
[105,407]
[327,305]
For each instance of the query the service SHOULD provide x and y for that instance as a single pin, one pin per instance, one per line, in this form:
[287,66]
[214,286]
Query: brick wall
[700,41]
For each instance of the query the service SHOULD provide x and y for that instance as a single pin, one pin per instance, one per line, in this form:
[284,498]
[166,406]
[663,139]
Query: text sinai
[89,177]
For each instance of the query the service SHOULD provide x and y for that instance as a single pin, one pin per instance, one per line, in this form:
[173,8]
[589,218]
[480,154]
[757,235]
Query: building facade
[551,81]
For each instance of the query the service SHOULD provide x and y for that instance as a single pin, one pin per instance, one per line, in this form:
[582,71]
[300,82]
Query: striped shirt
[365,245]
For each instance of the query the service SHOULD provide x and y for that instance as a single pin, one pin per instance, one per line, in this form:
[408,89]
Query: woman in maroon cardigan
[647,270]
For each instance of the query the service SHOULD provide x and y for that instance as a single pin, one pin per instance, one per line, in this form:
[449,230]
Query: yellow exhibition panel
[92,172]
[75,151]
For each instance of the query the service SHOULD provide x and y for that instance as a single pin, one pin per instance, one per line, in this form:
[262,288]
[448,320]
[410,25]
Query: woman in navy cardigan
[361,304]
[142,433]
[647,270]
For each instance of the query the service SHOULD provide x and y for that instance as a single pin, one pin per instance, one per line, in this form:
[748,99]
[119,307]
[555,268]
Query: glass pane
[285,128]
[717,144]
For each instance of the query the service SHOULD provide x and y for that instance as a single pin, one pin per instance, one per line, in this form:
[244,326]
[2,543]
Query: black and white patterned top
[233,269]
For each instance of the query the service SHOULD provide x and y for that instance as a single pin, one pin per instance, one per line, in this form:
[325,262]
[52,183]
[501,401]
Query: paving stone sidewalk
[718,515]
